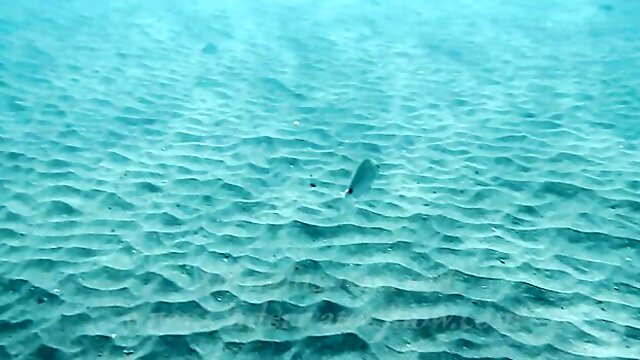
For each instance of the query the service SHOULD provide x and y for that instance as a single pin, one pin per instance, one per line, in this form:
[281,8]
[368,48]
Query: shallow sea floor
[170,179]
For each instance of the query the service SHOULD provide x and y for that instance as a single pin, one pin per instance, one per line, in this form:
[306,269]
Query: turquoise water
[171,179]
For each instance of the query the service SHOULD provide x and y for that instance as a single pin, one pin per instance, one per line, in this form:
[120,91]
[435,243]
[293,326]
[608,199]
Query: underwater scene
[338,179]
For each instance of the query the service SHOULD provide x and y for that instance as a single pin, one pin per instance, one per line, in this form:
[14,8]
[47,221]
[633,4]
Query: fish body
[362,179]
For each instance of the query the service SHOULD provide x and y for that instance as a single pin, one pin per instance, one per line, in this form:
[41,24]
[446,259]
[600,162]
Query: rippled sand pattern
[170,177]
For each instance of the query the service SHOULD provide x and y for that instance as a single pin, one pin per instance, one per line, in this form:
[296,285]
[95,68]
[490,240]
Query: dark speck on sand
[606,7]
[210,49]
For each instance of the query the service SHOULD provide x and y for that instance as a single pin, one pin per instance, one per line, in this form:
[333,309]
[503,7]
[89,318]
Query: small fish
[362,179]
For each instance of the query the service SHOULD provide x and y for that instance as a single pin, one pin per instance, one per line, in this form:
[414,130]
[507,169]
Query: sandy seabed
[170,179]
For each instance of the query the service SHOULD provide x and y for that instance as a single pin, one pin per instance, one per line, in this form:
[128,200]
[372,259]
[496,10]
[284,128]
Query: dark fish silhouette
[362,179]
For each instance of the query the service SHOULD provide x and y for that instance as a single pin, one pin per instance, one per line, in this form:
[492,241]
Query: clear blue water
[171,179]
